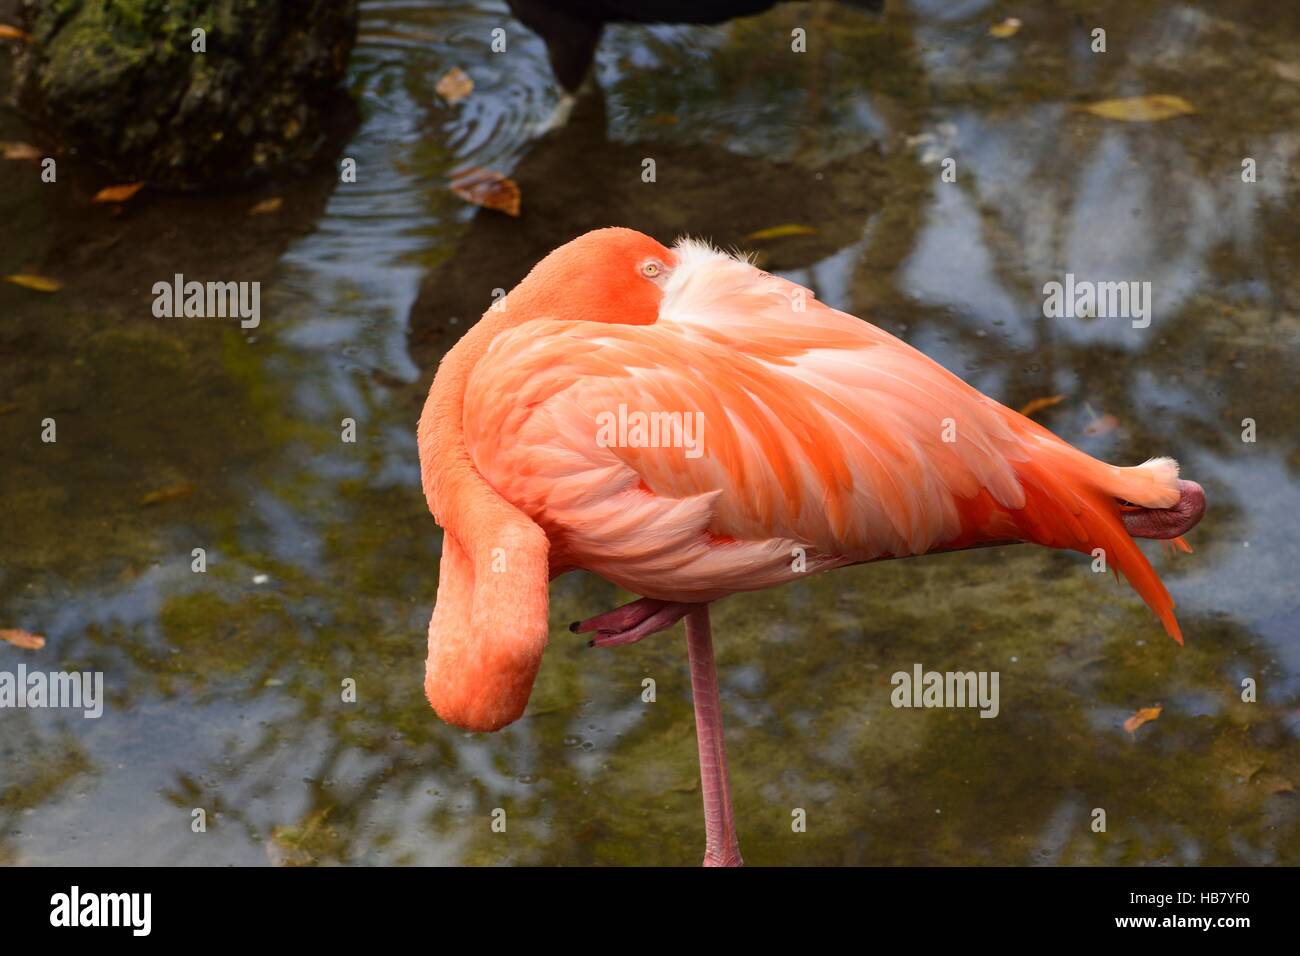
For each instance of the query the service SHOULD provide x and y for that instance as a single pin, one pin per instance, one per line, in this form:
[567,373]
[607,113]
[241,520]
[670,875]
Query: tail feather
[1072,501]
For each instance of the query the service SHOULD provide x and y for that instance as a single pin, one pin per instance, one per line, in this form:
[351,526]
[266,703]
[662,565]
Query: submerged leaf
[119,193]
[10,150]
[1275,783]
[35,282]
[1288,71]
[13,33]
[1141,109]
[1143,716]
[1038,404]
[24,639]
[1007,28]
[267,206]
[1101,425]
[287,845]
[780,232]
[170,493]
[489,189]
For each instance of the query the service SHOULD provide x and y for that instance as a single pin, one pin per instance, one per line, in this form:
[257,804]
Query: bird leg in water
[631,622]
[721,847]
[627,625]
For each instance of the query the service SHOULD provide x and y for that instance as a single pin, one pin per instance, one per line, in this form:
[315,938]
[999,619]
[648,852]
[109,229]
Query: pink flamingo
[688,427]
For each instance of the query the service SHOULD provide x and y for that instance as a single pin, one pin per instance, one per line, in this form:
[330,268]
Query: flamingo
[792,439]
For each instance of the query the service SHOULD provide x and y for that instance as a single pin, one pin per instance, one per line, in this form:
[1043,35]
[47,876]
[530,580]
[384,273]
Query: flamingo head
[607,275]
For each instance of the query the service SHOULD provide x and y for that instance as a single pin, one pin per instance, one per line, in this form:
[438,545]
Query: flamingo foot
[1168,523]
[631,622]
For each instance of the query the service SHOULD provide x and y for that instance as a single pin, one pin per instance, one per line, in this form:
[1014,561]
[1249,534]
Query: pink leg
[721,847]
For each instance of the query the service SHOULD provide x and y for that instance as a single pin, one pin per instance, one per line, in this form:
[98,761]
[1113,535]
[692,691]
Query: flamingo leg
[721,847]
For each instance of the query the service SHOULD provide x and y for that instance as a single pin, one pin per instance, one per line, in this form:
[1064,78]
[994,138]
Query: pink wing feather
[822,436]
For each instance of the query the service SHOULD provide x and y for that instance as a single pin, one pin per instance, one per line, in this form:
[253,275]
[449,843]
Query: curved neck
[440,433]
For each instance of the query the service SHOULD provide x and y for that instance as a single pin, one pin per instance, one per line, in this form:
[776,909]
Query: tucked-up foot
[631,622]
[1168,522]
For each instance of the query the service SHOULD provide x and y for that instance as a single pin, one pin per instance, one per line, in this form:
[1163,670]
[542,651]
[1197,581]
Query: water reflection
[225,688]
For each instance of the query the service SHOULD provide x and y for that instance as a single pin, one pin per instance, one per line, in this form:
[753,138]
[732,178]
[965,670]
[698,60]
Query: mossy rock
[120,83]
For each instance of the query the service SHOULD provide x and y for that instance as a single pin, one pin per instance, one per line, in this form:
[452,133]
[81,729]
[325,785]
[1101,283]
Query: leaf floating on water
[267,206]
[170,493]
[1038,404]
[489,189]
[35,283]
[118,193]
[1144,716]
[13,33]
[780,232]
[1007,28]
[455,85]
[1101,425]
[1141,109]
[10,150]
[24,639]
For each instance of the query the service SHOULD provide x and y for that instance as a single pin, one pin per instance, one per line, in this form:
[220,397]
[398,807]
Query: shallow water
[224,688]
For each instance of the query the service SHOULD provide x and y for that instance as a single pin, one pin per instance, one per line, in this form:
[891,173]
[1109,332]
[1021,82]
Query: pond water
[224,688]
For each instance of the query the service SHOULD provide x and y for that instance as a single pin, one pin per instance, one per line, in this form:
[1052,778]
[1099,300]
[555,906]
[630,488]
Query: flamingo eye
[652,269]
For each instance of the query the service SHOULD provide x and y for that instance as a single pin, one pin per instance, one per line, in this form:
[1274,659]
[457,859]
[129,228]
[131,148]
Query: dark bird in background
[571,28]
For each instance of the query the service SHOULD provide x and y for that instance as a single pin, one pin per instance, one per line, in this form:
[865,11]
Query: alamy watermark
[75,908]
[208,300]
[922,688]
[74,690]
[1083,299]
[638,429]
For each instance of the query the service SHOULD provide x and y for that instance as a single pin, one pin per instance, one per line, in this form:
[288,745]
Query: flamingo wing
[784,428]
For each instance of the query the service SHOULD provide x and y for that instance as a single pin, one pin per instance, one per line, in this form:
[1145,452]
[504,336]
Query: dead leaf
[287,845]
[267,206]
[1141,109]
[170,493]
[1101,425]
[8,408]
[1038,404]
[35,283]
[487,188]
[1288,71]
[20,151]
[118,193]
[13,33]
[24,639]
[1143,716]
[1007,28]
[780,232]
[455,85]
[1275,783]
